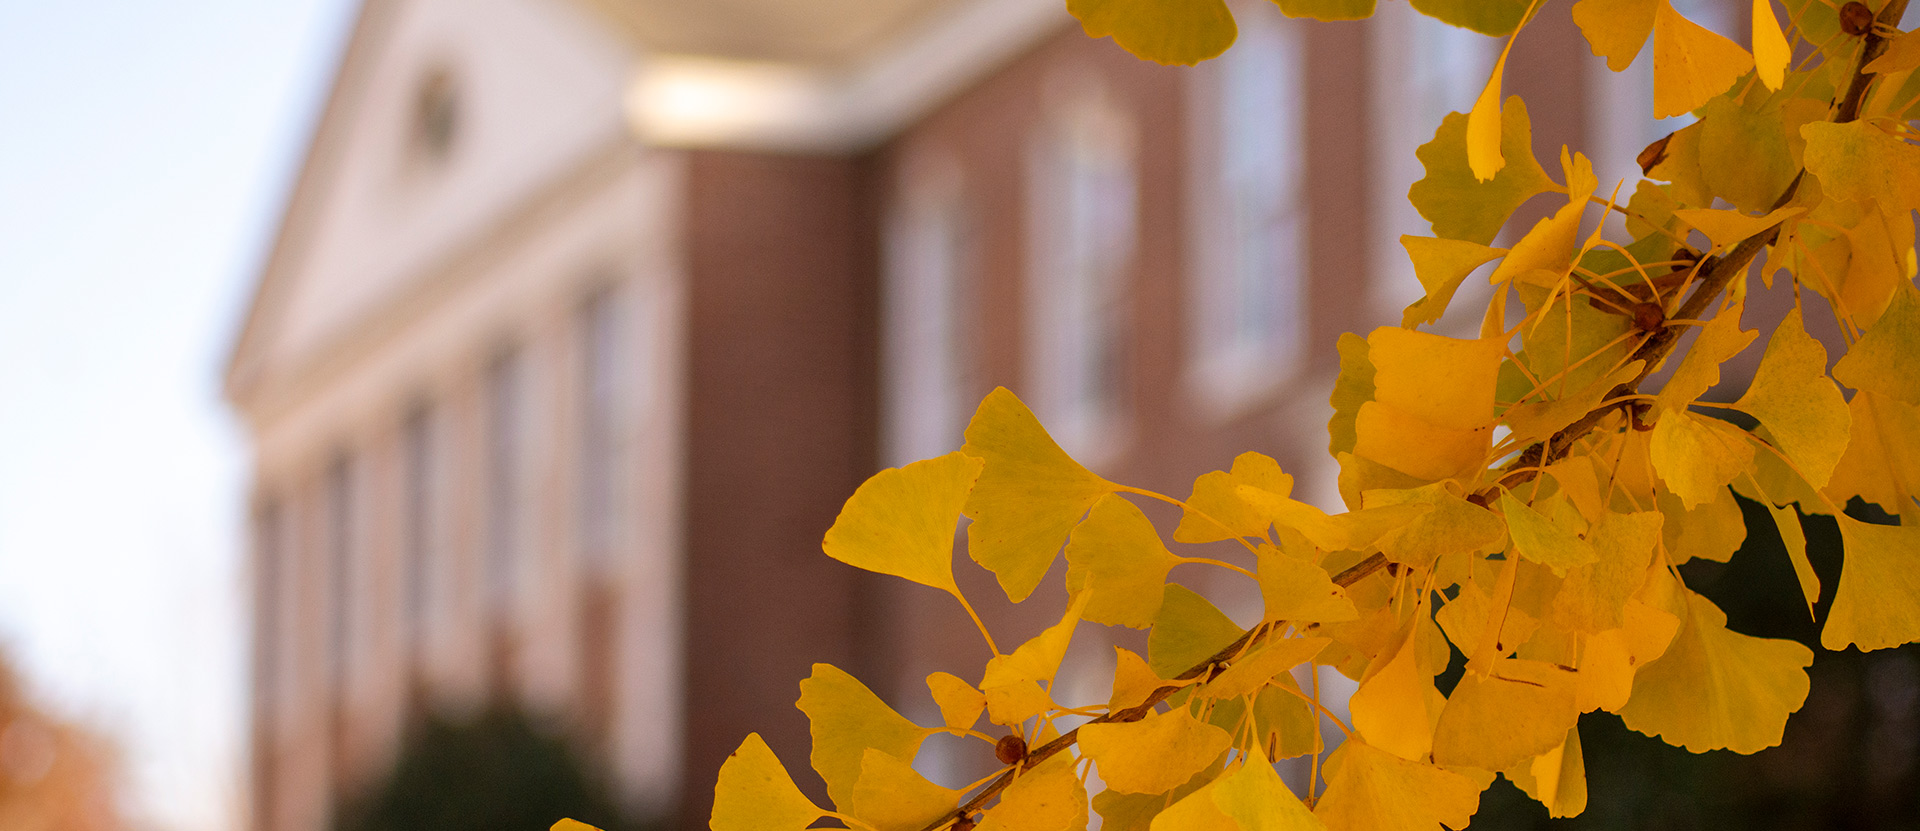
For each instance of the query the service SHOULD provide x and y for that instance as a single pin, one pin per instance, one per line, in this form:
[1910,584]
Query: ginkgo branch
[1197,673]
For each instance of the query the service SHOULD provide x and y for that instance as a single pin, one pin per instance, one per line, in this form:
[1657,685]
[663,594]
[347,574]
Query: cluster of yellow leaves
[1517,503]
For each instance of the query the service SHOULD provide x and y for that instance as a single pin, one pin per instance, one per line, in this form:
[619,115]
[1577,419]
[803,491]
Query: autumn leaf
[755,793]
[1215,511]
[892,796]
[1189,630]
[1163,31]
[1156,753]
[1369,789]
[1799,405]
[1718,689]
[846,719]
[960,704]
[1616,29]
[1117,557]
[1691,64]
[1877,604]
[1463,207]
[1029,495]
[902,520]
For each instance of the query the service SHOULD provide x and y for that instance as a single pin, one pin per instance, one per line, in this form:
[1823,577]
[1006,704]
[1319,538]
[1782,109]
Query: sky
[146,150]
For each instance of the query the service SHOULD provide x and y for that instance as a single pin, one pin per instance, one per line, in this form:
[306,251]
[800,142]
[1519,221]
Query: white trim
[697,101]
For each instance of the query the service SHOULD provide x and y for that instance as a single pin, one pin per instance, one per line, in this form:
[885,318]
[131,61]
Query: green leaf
[1189,630]
[1462,207]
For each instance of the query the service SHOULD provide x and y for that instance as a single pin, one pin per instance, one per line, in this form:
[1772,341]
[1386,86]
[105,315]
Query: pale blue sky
[145,152]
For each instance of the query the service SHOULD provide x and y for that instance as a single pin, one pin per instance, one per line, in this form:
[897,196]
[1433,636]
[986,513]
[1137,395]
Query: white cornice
[704,102]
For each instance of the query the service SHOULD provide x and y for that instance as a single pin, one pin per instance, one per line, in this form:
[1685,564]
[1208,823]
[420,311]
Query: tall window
[419,568]
[506,416]
[604,363]
[1248,307]
[1423,70]
[342,574]
[1082,208]
[928,265]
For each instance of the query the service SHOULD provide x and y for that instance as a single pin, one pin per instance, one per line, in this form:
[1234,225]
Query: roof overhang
[811,76]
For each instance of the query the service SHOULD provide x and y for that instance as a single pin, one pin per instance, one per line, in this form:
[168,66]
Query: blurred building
[585,316]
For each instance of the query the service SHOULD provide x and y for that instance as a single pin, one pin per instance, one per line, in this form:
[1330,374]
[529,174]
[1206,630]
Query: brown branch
[1252,637]
[1715,275]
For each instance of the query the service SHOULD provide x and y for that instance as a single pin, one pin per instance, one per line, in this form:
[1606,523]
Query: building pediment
[444,116]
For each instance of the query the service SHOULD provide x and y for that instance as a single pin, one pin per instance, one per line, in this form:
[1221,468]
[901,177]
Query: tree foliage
[1523,497]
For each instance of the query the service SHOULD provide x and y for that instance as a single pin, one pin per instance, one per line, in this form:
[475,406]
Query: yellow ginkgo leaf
[1038,659]
[1518,710]
[1407,443]
[1535,421]
[1396,705]
[1028,497]
[1883,361]
[1767,131]
[1463,207]
[1195,811]
[1690,63]
[1794,538]
[1452,526]
[1046,797]
[571,825]
[846,719]
[1542,540]
[1215,511]
[1299,591]
[755,793]
[1445,381]
[1718,689]
[1255,798]
[1155,754]
[1189,630]
[1544,254]
[1464,620]
[1712,530]
[1327,10]
[1719,340]
[1770,51]
[1615,29]
[1133,681]
[1493,18]
[1483,125]
[1611,658]
[960,704]
[892,796]
[1877,604]
[1698,456]
[1902,54]
[1556,779]
[1441,265]
[1725,228]
[1163,31]
[1138,811]
[1259,666]
[1117,558]
[902,520]
[1369,788]
[1882,462]
[1594,596]
[1353,388]
[1799,405]
[1858,162]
